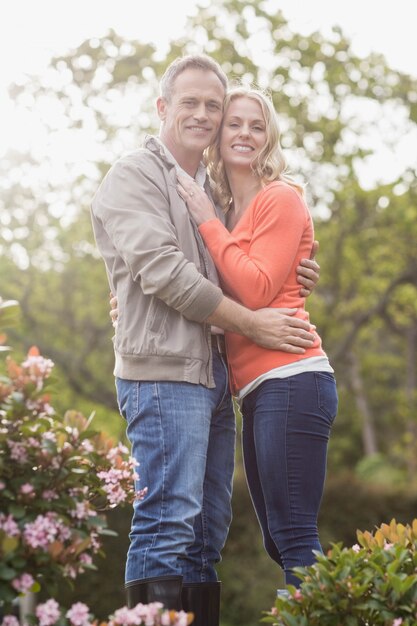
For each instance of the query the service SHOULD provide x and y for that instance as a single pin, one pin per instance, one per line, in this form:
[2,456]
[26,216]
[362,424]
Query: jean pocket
[127,397]
[327,394]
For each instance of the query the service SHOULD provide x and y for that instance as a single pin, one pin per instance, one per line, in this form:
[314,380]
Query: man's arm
[140,230]
[270,328]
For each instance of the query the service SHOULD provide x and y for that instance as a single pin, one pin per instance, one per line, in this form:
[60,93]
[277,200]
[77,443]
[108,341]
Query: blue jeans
[183,436]
[286,427]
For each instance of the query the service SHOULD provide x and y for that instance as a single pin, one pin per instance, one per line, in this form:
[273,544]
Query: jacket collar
[154,144]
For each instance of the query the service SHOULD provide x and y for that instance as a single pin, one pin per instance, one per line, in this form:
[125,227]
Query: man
[170,370]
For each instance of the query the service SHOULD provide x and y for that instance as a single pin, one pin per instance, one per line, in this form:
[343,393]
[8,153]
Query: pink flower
[124,617]
[33,443]
[165,619]
[78,614]
[44,530]
[2,485]
[41,532]
[82,511]
[86,559]
[10,620]
[38,368]
[113,480]
[181,619]
[26,489]
[397,622]
[115,494]
[24,583]
[297,595]
[147,614]
[387,546]
[48,613]
[73,430]
[87,446]
[50,436]
[70,571]
[111,476]
[139,495]
[116,451]
[49,494]
[17,451]
[9,525]
[356,547]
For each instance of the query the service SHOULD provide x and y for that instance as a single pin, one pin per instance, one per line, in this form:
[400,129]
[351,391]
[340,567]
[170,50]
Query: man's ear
[161,106]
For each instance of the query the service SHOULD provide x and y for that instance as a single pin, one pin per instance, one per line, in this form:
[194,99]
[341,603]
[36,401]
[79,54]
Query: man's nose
[200,112]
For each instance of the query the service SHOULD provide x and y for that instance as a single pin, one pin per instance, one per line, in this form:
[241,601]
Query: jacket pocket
[156,317]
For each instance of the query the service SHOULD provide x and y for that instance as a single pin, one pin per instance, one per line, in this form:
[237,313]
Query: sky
[31,32]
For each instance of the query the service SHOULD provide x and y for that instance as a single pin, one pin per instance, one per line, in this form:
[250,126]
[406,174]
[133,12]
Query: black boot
[165,589]
[203,599]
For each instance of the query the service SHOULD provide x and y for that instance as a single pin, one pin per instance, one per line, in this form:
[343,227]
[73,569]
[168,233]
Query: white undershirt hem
[311,364]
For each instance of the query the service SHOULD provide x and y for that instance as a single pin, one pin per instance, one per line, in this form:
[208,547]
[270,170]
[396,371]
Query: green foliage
[8,315]
[249,577]
[364,306]
[57,475]
[65,313]
[371,583]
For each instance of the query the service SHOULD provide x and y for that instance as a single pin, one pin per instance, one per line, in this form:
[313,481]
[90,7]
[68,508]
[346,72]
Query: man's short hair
[192,61]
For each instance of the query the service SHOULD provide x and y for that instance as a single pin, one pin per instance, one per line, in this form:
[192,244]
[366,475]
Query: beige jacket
[158,267]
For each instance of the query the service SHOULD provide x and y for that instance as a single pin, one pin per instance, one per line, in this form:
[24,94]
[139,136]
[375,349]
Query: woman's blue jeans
[286,427]
[183,436]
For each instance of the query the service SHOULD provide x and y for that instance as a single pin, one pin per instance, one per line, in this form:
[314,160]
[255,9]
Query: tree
[335,109]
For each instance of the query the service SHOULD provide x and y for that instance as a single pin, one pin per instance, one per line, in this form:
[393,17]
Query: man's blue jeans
[286,427]
[183,436]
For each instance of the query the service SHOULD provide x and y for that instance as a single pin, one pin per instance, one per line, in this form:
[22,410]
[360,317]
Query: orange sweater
[257,264]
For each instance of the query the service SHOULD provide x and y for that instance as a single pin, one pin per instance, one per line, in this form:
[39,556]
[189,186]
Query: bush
[57,477]
[372,583]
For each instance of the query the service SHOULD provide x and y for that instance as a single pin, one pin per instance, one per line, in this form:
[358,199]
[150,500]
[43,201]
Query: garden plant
[57,478]
[373,583]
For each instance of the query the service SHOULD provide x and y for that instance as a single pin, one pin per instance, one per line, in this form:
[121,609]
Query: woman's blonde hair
[269,165]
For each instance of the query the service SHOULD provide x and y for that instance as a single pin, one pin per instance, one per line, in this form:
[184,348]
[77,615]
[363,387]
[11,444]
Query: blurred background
[78,89]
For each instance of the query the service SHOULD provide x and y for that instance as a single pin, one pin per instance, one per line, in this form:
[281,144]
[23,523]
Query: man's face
[192,117]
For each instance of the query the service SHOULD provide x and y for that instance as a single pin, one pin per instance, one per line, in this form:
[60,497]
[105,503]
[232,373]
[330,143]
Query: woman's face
[243,133]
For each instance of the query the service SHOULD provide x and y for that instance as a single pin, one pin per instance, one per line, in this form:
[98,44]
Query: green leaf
[17,511]
[107,532]
[88,434]
[9,544]
[7,573]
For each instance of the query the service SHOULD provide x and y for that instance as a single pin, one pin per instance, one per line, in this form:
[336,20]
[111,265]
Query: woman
[288,401]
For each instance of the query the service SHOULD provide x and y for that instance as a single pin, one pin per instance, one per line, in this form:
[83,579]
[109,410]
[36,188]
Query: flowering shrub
[372,583]
[50,614]
[57,476]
